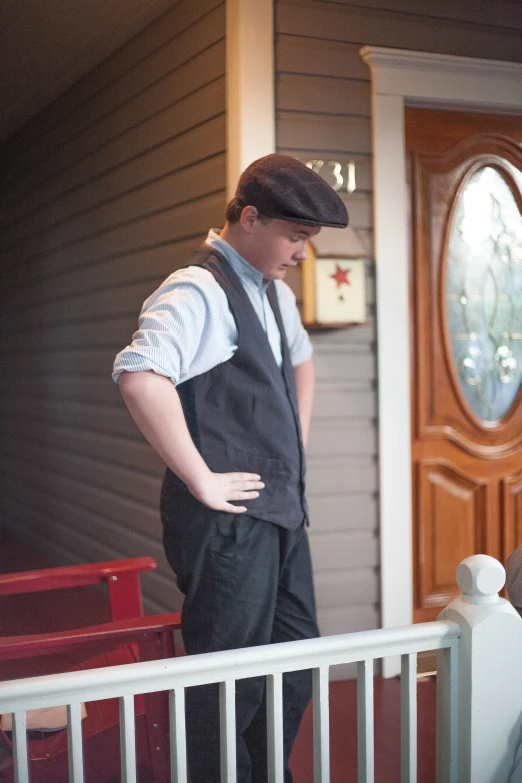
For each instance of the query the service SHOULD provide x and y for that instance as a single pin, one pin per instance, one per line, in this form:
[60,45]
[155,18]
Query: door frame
[402,78]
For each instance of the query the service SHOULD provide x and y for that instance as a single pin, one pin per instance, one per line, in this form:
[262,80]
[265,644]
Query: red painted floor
[343,734]
[22,614]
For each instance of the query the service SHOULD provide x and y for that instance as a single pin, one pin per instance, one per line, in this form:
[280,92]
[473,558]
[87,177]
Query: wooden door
[466,338]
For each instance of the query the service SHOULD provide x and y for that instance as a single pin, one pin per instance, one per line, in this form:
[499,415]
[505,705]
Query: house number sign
[340,176]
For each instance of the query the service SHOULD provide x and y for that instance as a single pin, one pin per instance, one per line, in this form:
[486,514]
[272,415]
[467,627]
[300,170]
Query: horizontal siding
[342,588]
[337,59]
[357,24]
[118,72]
[342,475]
[351,135]
[119,124]
[343,509]
[169,225]
[337,438]
[103,195]
[123,451]
[132,151]
[323,103]
[127,281]
[109,192]
[78,413]
[331,551]
[323,94]
[505,14]
[66,542]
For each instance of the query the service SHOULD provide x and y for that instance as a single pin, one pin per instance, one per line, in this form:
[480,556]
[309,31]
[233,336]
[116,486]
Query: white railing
[479,691]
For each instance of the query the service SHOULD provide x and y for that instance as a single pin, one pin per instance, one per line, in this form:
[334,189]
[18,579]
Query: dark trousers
[246,582]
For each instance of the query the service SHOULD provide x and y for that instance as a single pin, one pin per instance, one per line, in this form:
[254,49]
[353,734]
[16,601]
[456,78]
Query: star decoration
[340,276]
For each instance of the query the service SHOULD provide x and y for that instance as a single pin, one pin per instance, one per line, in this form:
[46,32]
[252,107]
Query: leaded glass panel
[484,294]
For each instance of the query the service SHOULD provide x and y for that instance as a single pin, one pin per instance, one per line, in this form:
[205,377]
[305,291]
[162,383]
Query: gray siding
[323,111]
[102,196]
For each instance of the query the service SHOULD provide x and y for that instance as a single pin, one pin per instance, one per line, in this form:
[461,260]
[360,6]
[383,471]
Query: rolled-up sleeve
[299,343]
[182,329]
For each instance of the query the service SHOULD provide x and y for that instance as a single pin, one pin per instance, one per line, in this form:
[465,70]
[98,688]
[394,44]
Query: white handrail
[479,685]
[150,676]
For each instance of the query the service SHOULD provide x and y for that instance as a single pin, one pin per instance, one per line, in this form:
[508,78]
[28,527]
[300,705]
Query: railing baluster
[365,730]
[74,742]
[274,720]
[453,656]
[227,710]
[321,725]
[409,718]
[178,742]
[127,740]
[21,763]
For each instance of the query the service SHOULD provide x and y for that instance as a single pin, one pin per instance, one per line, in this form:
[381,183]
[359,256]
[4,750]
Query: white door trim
[250,85]
[400,78]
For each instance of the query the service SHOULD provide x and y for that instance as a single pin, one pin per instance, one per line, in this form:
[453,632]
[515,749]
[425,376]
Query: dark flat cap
[282,187]
[514,577]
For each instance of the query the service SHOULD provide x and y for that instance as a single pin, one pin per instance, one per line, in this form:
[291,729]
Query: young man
[219,378]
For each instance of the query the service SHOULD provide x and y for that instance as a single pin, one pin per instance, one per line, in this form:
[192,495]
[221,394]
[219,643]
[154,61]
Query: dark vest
[242,414]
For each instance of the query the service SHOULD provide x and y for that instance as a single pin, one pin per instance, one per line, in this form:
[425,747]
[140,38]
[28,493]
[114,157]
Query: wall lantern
[333,280]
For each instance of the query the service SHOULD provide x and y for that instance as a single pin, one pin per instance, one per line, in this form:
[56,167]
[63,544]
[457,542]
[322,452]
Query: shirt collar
[241,267]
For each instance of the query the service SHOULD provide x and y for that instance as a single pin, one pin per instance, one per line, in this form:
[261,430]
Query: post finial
[480,577]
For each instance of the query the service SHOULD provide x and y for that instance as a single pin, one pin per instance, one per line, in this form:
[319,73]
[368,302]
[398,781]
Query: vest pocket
[239,461]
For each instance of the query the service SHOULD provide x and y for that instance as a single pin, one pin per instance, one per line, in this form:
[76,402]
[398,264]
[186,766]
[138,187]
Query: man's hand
[216,489]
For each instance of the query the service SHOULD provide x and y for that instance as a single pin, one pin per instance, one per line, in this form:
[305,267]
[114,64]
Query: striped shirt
[186,326]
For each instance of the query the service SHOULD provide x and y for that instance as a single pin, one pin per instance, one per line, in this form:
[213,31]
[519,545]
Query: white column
[250,85]
[393,341]
[489,674]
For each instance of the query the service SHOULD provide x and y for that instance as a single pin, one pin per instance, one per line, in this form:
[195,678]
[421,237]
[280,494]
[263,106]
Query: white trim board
[249,85]
[401,78]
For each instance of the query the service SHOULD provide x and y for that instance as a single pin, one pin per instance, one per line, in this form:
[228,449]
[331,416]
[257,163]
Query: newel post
[486,670]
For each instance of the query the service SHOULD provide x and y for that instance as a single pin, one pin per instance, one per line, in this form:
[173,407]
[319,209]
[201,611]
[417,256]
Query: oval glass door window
[484,294]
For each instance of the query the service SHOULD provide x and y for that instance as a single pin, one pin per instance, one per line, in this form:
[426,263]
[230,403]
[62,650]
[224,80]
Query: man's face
[276,245]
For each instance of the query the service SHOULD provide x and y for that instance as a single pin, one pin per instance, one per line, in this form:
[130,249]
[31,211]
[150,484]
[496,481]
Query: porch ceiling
[47,45]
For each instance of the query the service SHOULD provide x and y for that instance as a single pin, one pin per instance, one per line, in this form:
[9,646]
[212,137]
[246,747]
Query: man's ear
[248,219]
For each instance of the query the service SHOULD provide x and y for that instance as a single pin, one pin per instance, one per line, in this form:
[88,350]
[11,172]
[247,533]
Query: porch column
[488,669]
[250,85]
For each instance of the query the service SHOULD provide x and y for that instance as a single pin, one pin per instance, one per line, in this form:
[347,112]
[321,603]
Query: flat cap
[514,577]
[282,187]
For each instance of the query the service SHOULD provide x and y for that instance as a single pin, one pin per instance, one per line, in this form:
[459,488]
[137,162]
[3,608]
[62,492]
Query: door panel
[447,493]
[512,511]
[466,337]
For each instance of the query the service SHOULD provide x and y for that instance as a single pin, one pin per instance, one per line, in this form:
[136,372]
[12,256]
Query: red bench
[126,638]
